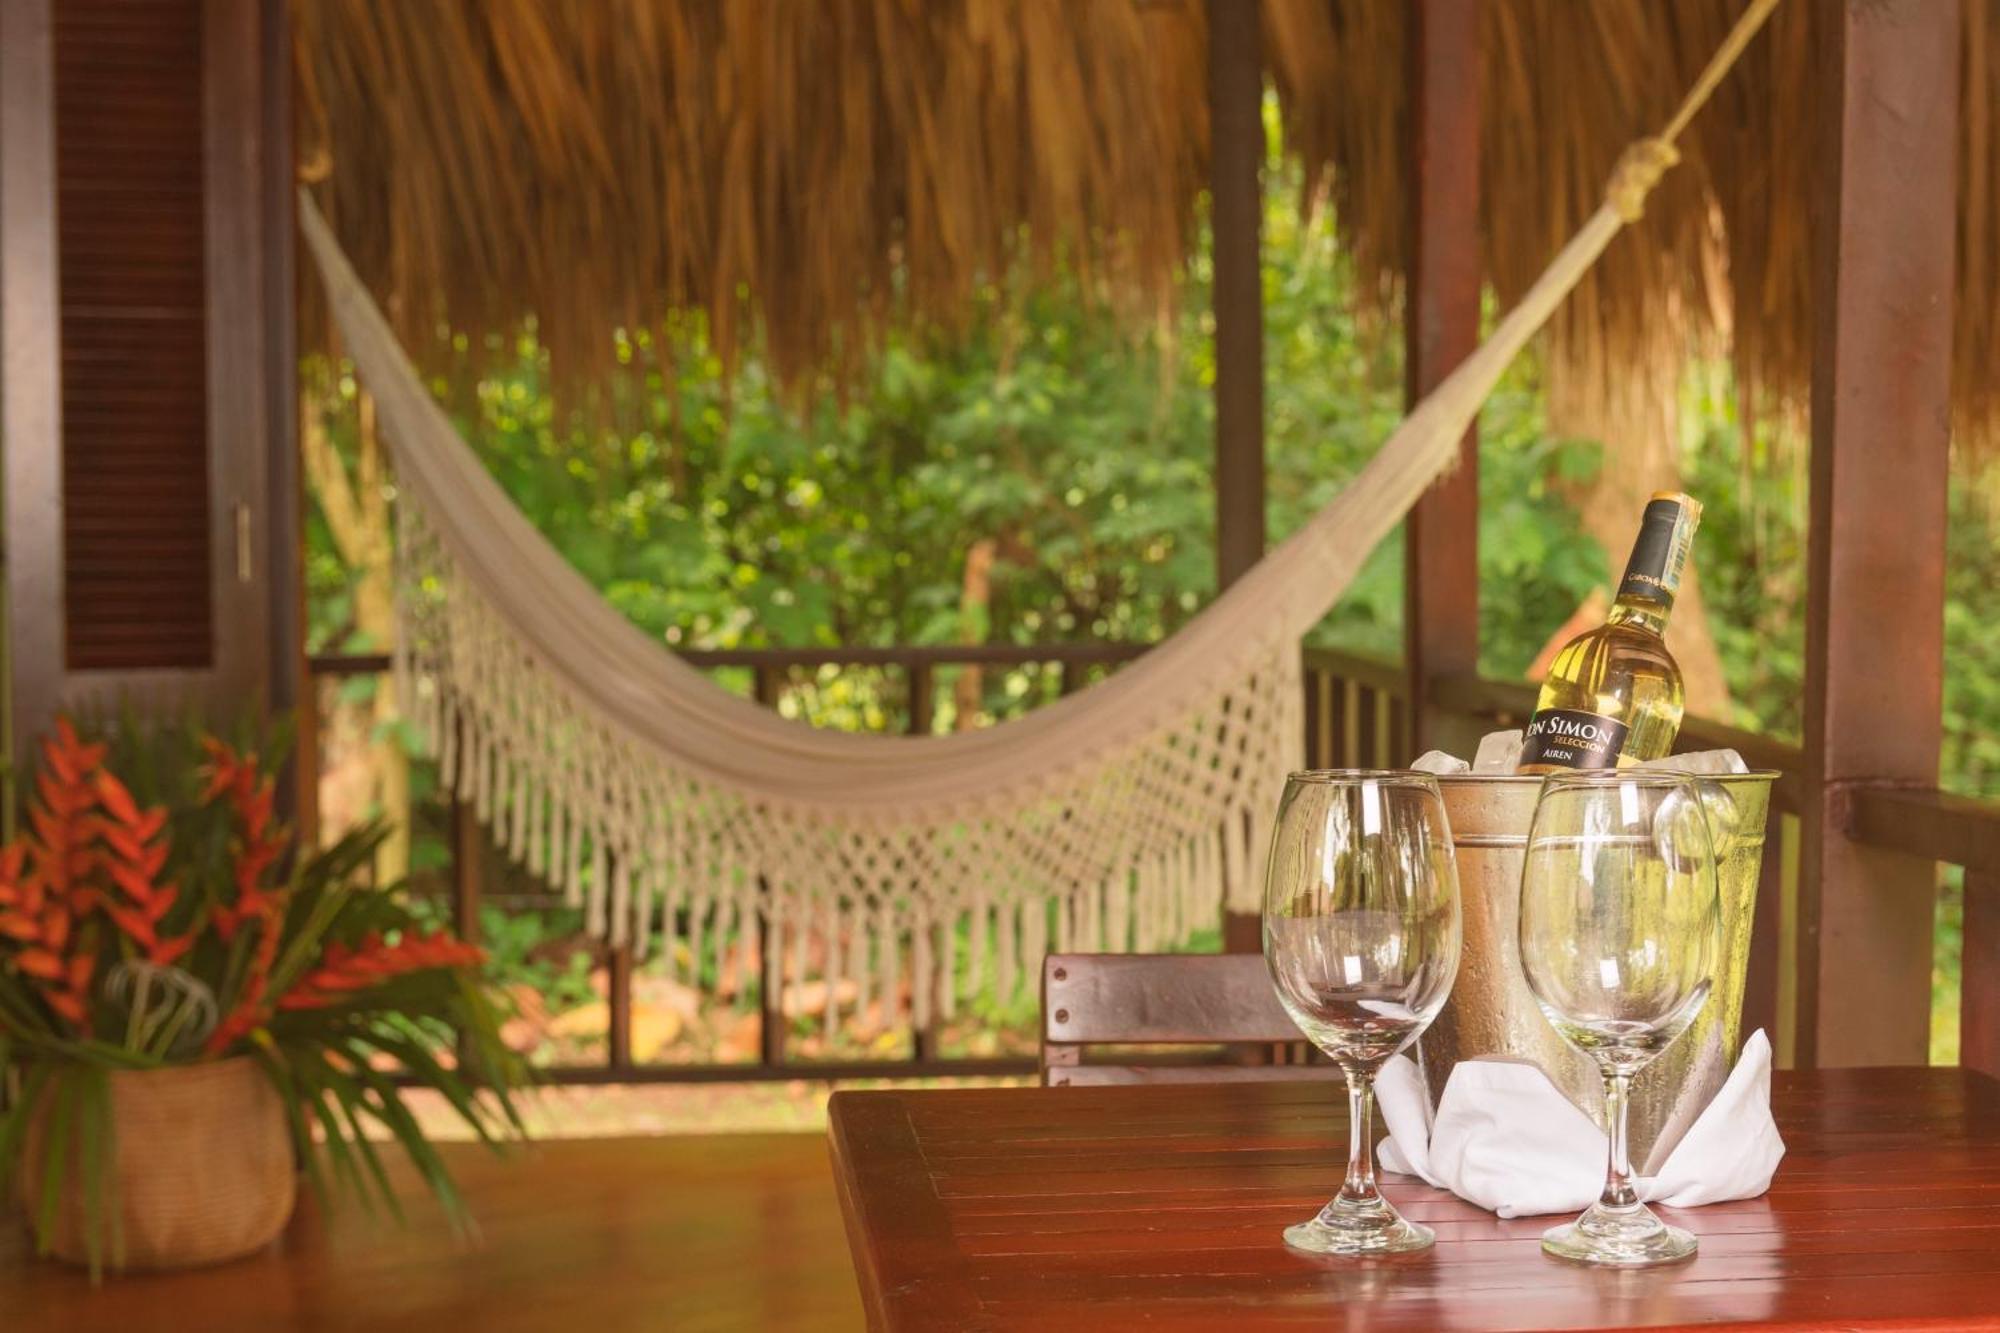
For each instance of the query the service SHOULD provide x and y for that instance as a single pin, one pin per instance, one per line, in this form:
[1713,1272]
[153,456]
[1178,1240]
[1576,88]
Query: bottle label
[1573,738]
[1665,532]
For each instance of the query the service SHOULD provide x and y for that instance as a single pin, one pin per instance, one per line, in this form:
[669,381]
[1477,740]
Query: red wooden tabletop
[1099,1208]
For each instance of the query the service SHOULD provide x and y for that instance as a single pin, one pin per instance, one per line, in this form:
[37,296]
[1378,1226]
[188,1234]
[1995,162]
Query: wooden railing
[1356,716]
[1932,825]
[1356,712]
[773,671]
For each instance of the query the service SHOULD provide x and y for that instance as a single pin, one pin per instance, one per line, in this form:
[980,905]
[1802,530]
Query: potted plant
[192,1011]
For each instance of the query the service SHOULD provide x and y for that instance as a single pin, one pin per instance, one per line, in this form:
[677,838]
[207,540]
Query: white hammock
[1121,816]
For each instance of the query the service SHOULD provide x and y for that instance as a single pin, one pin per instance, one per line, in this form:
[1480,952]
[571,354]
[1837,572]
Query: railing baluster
[464,870]
[1368,736]
[1979,974]
[770,1012]
[1350,724]
[1760,983]
[923,698]
[1327,739]
[924,1036]
[618,1043]
[1310,678]
[467,844]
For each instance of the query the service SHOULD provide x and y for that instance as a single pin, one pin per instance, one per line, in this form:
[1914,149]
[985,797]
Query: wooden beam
[1440,327]
[1884,219]
[1931,825]
[30,379]
[1236,210]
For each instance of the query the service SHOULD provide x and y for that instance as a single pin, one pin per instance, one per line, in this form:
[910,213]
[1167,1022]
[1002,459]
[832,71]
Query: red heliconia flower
[48,881]
[135,854]
[342,970]
[260,842]
[252,1007]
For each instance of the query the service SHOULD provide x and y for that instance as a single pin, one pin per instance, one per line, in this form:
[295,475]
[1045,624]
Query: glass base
[1622,1237]
[1348,1226]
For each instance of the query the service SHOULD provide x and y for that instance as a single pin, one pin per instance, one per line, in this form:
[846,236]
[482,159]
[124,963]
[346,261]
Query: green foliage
[534,950]
[716,514]
[1753,570]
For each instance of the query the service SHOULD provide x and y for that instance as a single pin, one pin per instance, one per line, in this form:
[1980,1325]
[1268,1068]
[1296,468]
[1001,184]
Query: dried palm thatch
[816,170]
[1724,255]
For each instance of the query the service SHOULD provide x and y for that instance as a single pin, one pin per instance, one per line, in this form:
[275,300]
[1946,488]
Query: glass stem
[1618,1191]
[1359,1187]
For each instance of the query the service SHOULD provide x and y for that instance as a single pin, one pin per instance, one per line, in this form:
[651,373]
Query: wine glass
[1361,932]
[1619,939]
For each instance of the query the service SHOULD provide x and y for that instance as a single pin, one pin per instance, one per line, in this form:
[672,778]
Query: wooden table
[709,1234]
[1105,1208]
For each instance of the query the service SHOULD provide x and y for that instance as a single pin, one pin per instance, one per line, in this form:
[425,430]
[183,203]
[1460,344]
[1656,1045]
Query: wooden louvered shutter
[145,311]
[138,592]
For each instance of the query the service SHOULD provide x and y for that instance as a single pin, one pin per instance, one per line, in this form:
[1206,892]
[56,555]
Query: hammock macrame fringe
[1135,858]
[669,810]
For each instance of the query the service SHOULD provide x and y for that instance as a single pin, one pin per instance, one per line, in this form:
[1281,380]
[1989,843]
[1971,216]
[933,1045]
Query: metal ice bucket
[1492,1013]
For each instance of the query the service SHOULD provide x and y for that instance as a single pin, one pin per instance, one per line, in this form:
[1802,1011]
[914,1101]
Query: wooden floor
[718,1232]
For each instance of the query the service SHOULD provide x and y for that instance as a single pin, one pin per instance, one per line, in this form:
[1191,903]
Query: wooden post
[1440,327]
[1884,218]
[1236,193]
[1236,210]
[30,381]
[291,686]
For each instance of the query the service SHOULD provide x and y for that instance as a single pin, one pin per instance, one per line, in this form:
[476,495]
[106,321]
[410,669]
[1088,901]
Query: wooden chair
[1164,1000]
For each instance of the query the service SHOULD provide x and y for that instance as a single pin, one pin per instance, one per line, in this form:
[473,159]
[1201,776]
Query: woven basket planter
[205,1169]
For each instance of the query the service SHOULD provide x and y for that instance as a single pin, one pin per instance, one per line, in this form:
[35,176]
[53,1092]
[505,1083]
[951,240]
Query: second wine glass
[1619,939]
[1361,931]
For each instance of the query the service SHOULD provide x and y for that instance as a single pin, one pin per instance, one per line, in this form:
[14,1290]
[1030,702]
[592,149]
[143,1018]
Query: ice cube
[1499,752]
[1437,761]
[1725,820]
[1707,763]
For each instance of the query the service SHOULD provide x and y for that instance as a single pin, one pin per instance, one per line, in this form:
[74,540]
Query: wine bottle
[1613,694]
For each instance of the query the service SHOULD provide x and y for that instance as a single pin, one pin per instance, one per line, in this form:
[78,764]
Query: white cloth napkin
[1506,1138]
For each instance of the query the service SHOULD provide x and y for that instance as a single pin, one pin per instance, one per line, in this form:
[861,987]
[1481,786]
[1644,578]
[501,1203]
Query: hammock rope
[1114,818]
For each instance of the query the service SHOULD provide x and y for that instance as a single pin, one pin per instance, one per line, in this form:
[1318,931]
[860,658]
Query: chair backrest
[1163,1000]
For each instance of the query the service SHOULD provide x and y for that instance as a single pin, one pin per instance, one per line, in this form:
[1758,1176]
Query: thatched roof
[819,168]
